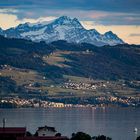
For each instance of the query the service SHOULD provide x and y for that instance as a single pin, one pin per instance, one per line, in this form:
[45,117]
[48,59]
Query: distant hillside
[36,67]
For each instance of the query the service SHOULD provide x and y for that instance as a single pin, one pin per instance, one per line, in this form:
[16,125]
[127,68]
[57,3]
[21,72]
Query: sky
[120,16]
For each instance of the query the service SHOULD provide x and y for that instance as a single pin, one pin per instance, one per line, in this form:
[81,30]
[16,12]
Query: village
[36,103]
[82,85]
[92,93]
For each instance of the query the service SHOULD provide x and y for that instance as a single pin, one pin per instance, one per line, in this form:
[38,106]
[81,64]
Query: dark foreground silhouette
[22,134]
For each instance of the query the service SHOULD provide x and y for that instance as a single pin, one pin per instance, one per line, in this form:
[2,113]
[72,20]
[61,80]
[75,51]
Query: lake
[117,123]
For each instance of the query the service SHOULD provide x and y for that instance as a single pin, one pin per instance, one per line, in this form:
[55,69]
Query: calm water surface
[117,123]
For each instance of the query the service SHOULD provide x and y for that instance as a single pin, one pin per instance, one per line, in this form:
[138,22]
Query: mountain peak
[113,37]
[94,31]
[65,20]
[109,33]
[26,24]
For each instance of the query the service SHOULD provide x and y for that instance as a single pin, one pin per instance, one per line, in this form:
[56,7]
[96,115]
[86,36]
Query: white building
[46,131]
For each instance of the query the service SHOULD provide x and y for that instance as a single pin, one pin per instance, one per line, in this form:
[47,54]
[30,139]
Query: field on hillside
[81,86]
[66,70]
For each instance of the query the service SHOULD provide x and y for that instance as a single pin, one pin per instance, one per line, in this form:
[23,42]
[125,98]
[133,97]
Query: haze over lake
[118,123]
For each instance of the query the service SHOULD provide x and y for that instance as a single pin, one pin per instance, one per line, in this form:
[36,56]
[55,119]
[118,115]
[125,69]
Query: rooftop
[47,128]
[12,130]
[42,138]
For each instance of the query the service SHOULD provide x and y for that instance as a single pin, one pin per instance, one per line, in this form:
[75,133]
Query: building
[11,133]
[46,131]
[43,138]
[19,133]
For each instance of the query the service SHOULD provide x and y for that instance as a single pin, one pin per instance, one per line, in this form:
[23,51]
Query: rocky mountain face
[63,28]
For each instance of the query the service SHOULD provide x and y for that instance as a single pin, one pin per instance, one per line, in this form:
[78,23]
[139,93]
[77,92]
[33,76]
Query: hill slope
[62,69]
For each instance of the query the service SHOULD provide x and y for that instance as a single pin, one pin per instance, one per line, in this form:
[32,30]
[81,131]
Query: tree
[102,137]
[81,136]
[58,134]
[28,134]
[73,134]
[36,134]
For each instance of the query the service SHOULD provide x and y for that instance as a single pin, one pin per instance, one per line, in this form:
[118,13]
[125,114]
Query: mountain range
[63,28]
[61,61]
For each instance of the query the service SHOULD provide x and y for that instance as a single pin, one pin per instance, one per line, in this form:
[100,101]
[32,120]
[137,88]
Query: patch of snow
[62,31]
[33,33]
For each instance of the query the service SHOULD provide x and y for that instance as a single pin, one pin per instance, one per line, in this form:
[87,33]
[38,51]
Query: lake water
[117,123]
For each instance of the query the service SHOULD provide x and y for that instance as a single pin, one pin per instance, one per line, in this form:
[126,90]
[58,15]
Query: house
[11,133]
[43,138]
[46,131]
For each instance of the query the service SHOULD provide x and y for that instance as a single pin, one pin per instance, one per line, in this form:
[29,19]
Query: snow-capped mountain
[63,28]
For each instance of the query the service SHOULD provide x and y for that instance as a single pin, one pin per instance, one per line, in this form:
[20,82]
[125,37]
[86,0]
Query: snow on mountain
[63,28]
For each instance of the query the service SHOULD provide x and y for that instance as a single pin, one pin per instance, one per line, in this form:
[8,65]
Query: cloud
[134,34]
[99,17]
[128,15]
[130,6]
[88,24]
[120,19]
[10,20]
[105,12]
[40,19]
[10,10]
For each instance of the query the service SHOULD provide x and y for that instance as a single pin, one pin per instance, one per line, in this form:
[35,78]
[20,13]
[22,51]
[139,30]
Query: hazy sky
[120,16]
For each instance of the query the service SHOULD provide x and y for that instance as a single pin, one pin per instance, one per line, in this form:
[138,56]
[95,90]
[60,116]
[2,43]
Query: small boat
[136,130]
